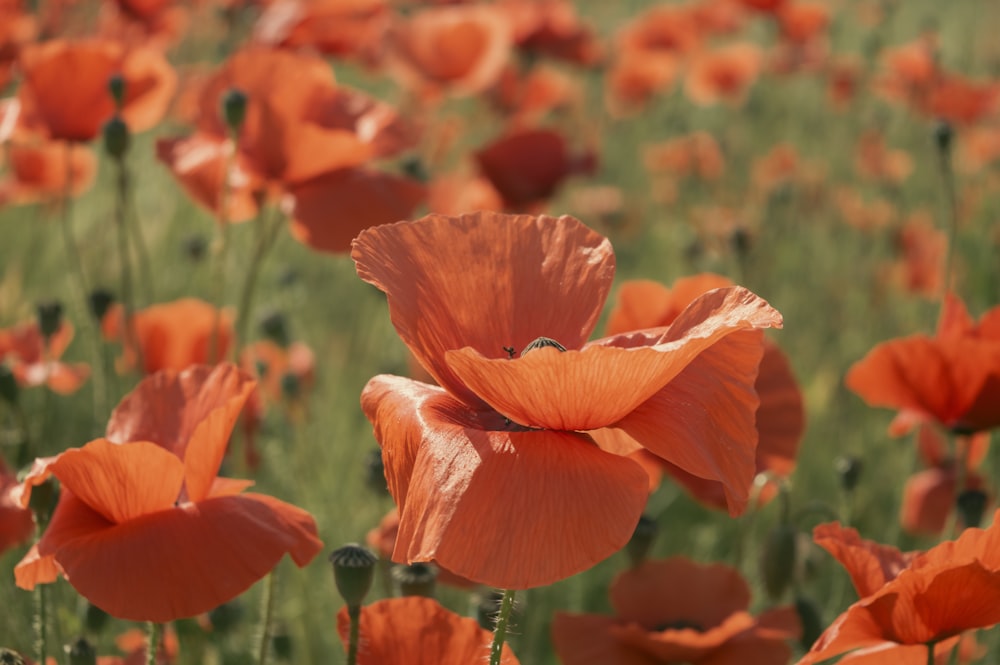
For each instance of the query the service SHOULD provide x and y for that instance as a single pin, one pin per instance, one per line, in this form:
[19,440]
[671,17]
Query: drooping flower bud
[642,539]
[234,109]
[117,137]
[417,579]
[81,652]
[50,315]
[353,571]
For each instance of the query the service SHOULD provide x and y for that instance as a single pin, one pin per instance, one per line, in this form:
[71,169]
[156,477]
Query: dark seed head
[542,342]
[353,570]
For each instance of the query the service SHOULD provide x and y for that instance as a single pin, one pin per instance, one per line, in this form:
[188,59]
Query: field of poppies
[531,331]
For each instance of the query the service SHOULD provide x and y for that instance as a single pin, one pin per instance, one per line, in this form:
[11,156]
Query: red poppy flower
[171,335]
[952,378]
[418,631]
[506,436]
[37,171]
[802,22]
[144,528]
[65,90]
[552,28]
[333,27]
[16,522]
[723,75]
[35,362]
[921,248]
[675,611]
[910,600]
[780,418]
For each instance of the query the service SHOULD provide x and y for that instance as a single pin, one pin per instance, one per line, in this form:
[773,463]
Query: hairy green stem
[267,614]
[500,632]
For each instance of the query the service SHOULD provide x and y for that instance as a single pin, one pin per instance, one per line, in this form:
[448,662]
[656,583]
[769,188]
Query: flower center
[679,624]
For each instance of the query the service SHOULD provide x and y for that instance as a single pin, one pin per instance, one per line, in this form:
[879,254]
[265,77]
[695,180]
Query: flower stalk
[500,632]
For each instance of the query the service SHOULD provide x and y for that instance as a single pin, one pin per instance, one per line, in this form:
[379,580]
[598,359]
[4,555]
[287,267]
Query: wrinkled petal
[418,631]
[870,565]
[34,569]
[485,280]
[466,483]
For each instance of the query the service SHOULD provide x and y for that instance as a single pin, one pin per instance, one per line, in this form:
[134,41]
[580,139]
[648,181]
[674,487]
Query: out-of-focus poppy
[170,335]
[723,75]
[144,528]
[765,6]
[459,50]
[921,248]
[134,642]
[676,610]
[526,166]
[862,213]
[929,496]
[843,76]
[18,28]
[155,24]
[803,22]
[875,161]
[526,99]
[780,418]
[16,522]
[952,378]
[465,293]
[334,27]
[776,168]
[418,630]
[962,101]
[552,28]
[65,88]
[35,360]
[978,147]
[697,154]
[909,601]
[908,71]
[37,171]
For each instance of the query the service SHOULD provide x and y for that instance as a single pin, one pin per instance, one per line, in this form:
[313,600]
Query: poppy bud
[777,560]
[281,642]
[740,240]
[226,617]
[194,247]
[642,540]
[812,622]
[8,657]
[116,87]
[971,505]
[375,472]
[849,469]
[44,498]
[274,326]
[81,652]
[414,167]
[943,135]
[100,301]
[8,385]
[353,571]
[291,387]
[234,109]
[95,619]
[116,137]
[417,579]
[488,607]
[49,317]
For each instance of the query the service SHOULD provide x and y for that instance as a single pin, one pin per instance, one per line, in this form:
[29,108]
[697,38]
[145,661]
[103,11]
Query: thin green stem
[41,623]
[948,178]
[128,296]
[500,632]
[138,238]
[222,248]
[354,612]
[153,631]
[267,614]
[930,653]
[267,233]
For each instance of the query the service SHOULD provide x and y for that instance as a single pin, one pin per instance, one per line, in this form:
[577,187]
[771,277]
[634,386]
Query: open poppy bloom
[911,600]
[723,75]
[333,27]
[952,378]
[38,171]
[677,611]
[144,528]
[780,418]
[170,335]
[508,434]
[418,631]
[65,90]
[34,360]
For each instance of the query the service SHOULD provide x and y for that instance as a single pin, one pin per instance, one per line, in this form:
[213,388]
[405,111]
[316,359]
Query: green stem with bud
[500,631]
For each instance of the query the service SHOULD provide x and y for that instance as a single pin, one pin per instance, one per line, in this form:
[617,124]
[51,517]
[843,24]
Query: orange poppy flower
[418,631]
[874,161]
[37,171]
[961,101]
[952,378]
[802,22]
[170,335]
[639,75]
[780,418]
[65,89]
[723,75]
[861,213]
[676,610]
[333,27]
[36,363]
[16,522]
[527,165]
[464,294]
[909,600]
[921,247]
[929,496]
[144,528]
[134,643]
[552,28]
[458,49]
[697,154]
[155,24]
[978,147]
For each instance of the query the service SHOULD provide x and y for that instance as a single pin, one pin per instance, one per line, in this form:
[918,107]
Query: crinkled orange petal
[870,565]
[486,281]
[121,483]
[603,384]
[177,562]
[34,569]
[329,211]
[586,639]
[168,407]
[678,589]
[418,631]
[199,164]
[465,482]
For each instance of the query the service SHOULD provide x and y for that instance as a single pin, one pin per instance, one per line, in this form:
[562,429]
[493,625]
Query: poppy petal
[870,565]
[121,482]
[34,569]
[486,280]
[455,472]
[219,547]
[586,639]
